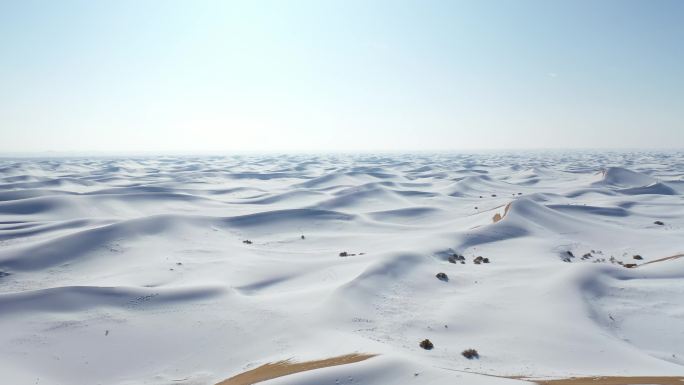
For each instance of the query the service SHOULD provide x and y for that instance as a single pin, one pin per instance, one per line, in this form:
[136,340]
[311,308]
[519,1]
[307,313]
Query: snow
[135,270]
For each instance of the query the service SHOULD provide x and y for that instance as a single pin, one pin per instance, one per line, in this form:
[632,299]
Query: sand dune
[618,176]
[187,270]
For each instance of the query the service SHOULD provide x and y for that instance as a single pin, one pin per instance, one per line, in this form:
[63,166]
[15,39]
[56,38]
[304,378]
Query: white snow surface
[134,270]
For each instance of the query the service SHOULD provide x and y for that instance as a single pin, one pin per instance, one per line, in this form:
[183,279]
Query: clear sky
[343,75]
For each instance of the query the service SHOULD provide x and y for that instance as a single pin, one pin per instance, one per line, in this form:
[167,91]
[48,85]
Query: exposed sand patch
[614,381]
[662,259]
[497,217]
[283,368]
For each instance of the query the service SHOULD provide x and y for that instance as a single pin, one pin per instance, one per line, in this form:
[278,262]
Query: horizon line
[121,153]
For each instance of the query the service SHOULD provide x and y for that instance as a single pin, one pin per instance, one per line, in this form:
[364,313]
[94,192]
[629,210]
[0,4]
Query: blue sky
[340,75]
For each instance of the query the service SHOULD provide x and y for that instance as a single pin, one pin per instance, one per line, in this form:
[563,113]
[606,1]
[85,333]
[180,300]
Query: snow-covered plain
[135,270]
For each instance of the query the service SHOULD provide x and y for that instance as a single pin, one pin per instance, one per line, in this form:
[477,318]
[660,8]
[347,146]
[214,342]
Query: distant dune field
[559,268]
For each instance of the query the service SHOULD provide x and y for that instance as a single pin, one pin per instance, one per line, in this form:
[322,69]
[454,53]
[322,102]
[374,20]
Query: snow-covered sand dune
[184,270]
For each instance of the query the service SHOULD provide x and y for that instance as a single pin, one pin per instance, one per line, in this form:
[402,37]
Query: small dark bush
[629,265]
[426,344]
[442,277]
[344,254]
[454,258]
[659,223]
[303,236]
[247,242]
[639,257]
[470,354]
[480,260]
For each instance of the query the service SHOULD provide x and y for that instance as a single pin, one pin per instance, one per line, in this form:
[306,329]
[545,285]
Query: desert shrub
[659,223]
[442,277]
[480,260]
[629,265]
[344,254]
[638,257]
[426,344]
[247,242]
[470,354]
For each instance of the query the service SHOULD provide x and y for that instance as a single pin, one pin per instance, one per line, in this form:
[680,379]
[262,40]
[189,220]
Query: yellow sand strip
[614,381]
[598,380]
[283,368]
[662,259]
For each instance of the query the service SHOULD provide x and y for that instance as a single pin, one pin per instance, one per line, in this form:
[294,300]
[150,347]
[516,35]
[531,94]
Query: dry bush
[455,258]
[426,344]
[470,354]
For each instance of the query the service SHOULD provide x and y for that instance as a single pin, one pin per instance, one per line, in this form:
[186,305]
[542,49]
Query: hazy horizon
[247,152]
[340,76]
